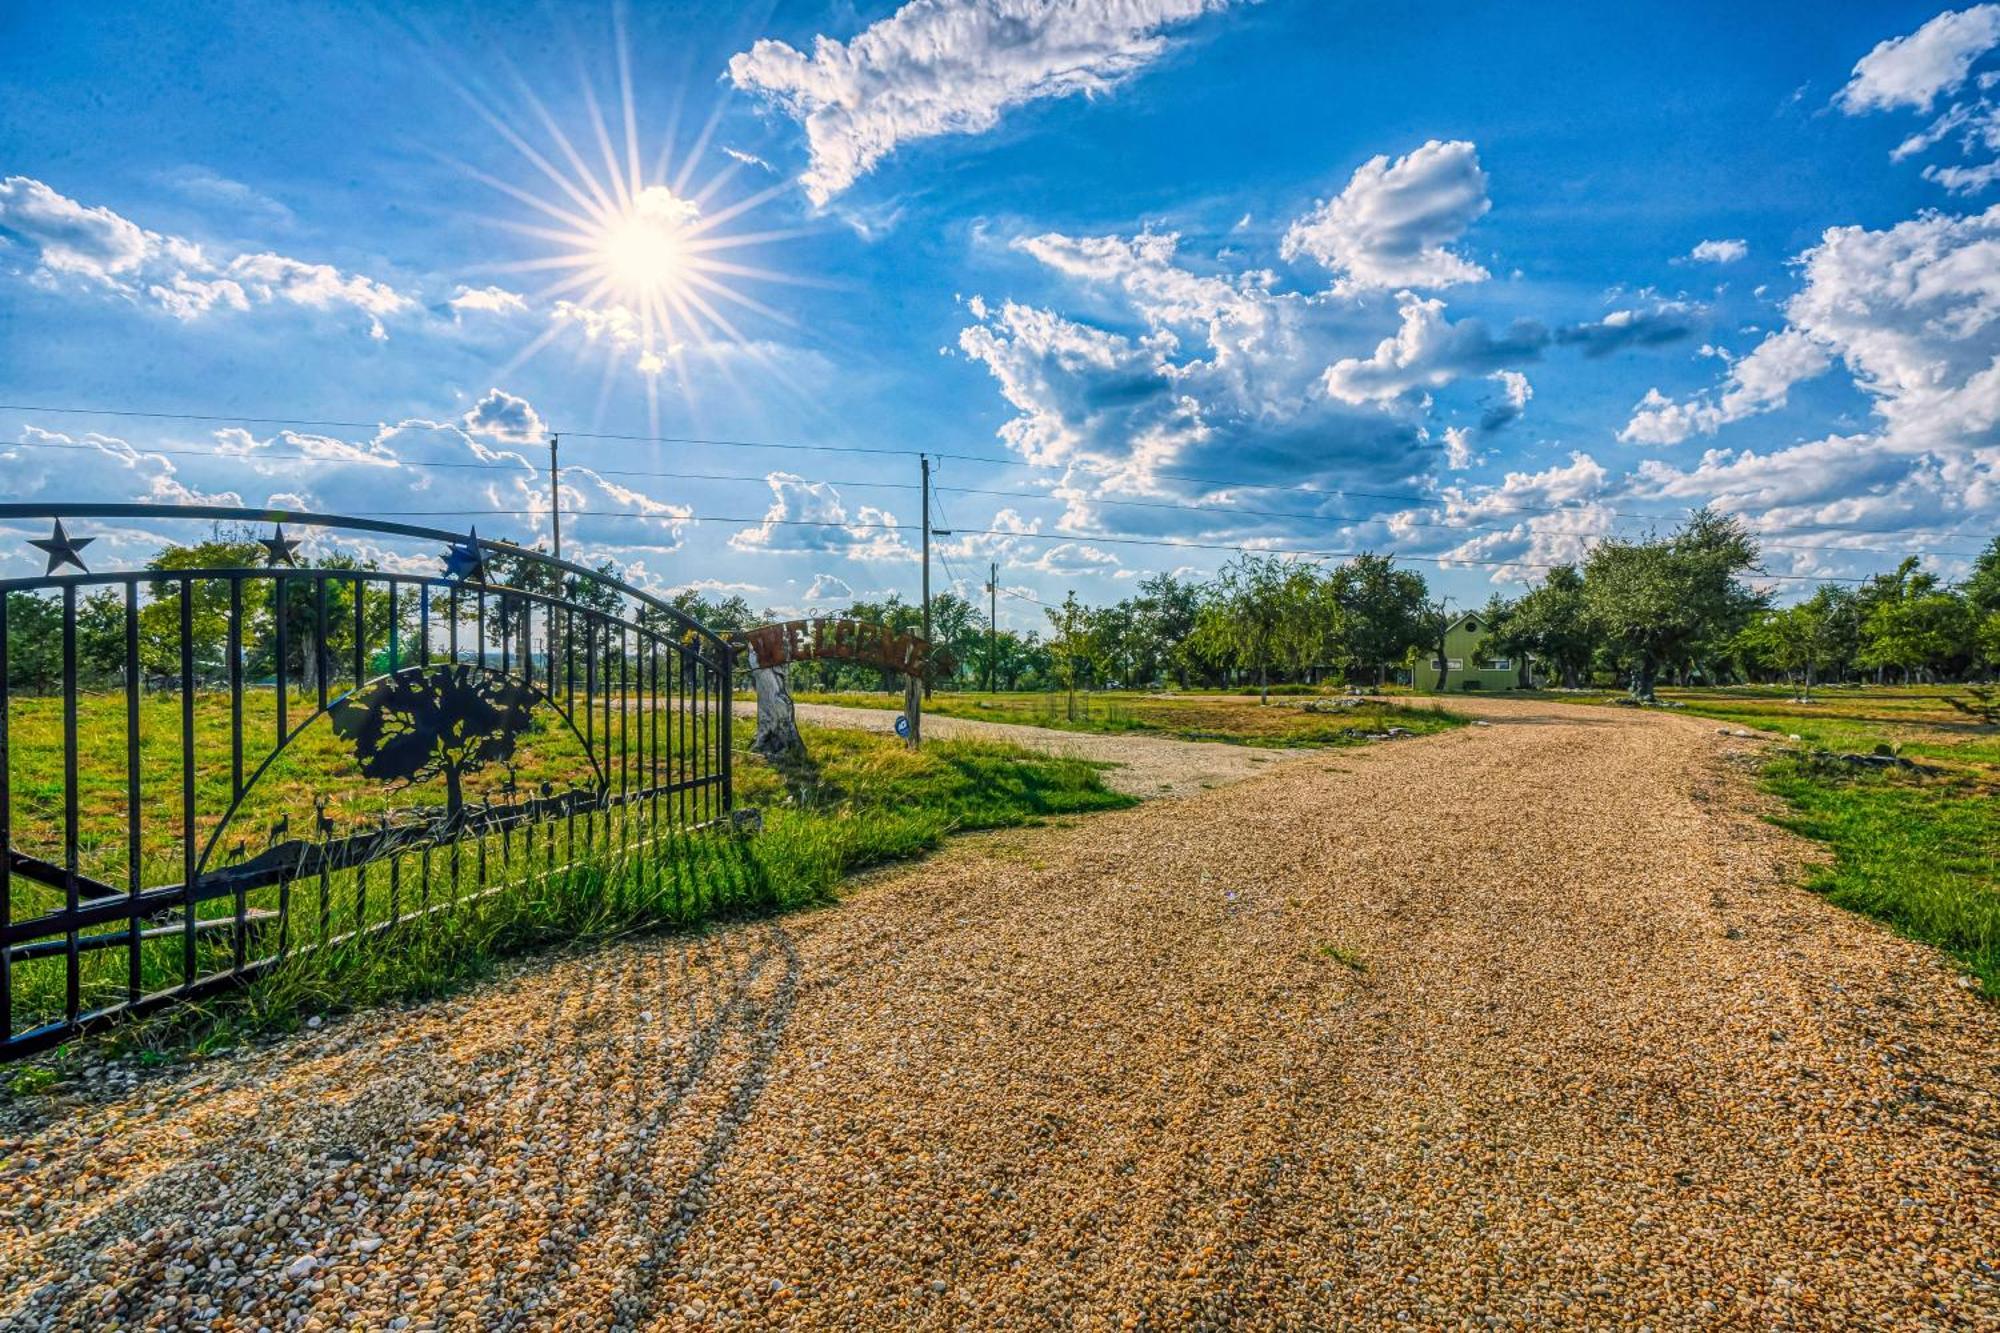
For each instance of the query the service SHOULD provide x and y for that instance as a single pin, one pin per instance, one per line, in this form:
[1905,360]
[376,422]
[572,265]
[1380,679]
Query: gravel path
[1146,765]
[1517,1026]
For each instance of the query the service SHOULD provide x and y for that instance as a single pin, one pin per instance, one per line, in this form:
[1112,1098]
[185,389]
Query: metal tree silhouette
[445,722]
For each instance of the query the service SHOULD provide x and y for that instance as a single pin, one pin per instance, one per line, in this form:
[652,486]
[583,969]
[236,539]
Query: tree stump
[777,736]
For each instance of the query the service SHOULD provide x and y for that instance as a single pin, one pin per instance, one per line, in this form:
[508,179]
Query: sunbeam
[634,252]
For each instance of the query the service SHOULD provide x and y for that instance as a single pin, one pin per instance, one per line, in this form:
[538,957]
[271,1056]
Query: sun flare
[643,252]
[639,258]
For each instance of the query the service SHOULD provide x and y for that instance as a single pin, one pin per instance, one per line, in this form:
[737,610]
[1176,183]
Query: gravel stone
[1113,1074]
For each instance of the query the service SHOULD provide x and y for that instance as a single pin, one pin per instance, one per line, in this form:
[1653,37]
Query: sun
[642,260]
[642,252]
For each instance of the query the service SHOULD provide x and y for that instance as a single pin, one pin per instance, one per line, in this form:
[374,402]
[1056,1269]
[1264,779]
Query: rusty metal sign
[835,638]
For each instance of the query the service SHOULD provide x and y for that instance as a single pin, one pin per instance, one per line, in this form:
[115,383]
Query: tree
[959,629]
[100,635]
[1434,623]
[1248,615]
[447,722]
[1164,618]
[208,615]
[1656,601]
[1552,623]
[34,643]
[1982,586]
[1015,656]
[1919,633]
[1794,640]
[1072,645]
[1383,607]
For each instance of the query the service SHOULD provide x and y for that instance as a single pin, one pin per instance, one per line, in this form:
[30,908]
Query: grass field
[1920,851]
[865,800]
[1236,720]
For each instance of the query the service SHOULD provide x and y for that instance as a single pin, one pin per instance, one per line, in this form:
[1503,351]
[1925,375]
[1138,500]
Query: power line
[1108,539]
[1406,498]
[858,483]
[319,424]
[1417,523]
[273,456]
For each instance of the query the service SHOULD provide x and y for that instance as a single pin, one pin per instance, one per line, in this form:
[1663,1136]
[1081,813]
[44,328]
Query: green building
[1466,666]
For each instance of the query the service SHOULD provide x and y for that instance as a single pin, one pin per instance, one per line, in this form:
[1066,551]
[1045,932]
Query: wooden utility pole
[992,621]
[925,461]
[555,496]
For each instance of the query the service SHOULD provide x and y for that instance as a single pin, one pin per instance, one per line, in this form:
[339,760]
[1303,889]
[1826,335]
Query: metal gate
[205,769]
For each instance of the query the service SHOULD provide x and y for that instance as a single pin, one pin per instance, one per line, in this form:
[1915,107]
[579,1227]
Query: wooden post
[913,708]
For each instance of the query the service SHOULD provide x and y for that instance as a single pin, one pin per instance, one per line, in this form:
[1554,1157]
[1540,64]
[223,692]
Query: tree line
[1677,607]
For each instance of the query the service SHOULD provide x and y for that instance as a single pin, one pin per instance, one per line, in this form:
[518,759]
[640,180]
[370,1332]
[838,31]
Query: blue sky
[1470,283]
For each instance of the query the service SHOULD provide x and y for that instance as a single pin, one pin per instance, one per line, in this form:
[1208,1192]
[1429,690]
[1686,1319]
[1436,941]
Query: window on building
[1501,664]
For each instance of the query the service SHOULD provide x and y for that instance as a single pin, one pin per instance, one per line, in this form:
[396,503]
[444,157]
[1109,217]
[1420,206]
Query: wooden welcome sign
[773,648]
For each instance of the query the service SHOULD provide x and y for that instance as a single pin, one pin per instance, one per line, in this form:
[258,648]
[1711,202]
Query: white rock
[301,1267]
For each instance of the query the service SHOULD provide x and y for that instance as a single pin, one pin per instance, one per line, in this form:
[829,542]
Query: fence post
[728,650]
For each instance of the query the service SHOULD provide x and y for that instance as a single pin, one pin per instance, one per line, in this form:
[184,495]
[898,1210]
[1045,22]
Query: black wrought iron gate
[206,768]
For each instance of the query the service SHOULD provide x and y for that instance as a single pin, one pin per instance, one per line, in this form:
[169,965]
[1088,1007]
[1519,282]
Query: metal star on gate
[466,562]
[62,549]
[278,548]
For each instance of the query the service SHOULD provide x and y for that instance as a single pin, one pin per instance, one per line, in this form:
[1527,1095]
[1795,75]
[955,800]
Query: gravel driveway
[1517,1026]
[1147,766]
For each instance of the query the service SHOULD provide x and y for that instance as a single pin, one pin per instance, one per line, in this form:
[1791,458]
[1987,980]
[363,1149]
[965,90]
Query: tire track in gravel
[1605,1066]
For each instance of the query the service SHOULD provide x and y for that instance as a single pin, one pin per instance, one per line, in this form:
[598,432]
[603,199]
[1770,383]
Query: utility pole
[925,461]
[555,495]
[992,620]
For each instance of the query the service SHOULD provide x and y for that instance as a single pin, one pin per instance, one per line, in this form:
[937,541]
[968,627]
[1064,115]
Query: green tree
[1433,624]
[1249,618]
[100,635]
[1982,586]
[1383,607]
[208,617]
[1552,624]
[1794,640]
[1656,601]
[1072,644]
[1920,633]
[34,643]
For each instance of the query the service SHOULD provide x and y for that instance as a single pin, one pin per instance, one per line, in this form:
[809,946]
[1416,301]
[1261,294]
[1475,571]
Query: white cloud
[827,588]
[209,187]
[938,67]
[1913,70]
[1666,322]
[1458,452]
[489,300]
[1074,558]
[1428,352]
[96,245]
[501,416]
[1534,519]
[1759,382]
[1912,312]
[1392,226]
[1515,393]
[93,243]
[810,516]
[1719,252]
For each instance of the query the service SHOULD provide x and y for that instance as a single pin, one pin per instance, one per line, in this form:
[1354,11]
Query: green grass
[1237,721]
[1921,854]
[865,800]
[1919,851]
